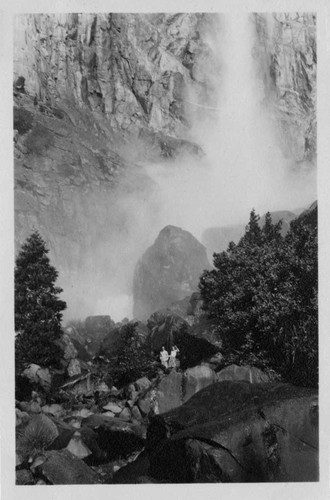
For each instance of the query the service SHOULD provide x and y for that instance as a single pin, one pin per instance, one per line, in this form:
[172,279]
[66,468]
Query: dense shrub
[37,306]
[132,358]
[262,294]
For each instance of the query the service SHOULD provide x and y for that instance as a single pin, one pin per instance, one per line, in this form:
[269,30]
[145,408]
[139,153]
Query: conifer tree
[38,310]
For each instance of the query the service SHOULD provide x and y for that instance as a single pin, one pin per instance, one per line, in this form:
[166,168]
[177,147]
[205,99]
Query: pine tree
[37,306]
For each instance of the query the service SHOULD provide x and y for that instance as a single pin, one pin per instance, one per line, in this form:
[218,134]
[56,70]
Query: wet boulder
[196,379]
[237,432]
[249,373]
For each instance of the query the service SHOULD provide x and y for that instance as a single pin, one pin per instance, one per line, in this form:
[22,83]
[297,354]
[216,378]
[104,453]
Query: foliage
[133,358]
[262,294]
[37,306]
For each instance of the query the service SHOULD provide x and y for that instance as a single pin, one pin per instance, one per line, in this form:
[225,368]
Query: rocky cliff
[99,95]
[168,271]
[287,55]
[93,95]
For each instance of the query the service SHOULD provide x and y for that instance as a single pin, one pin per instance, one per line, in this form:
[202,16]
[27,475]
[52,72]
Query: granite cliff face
[97,96]
[101,92]
[168,271]
[286,51]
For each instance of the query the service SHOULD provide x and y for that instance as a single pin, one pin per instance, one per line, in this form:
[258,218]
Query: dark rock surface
[238,432]
[249,373]
[168,271]
[62,467]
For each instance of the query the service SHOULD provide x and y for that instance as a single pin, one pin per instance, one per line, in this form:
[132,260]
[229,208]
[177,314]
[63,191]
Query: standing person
[172,362]
[164,357]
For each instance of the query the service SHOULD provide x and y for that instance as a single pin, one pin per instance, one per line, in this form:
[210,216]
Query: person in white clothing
[164,357]
[172,360]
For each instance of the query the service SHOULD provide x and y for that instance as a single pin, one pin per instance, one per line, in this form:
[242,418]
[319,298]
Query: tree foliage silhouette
[262,296]
[38,310]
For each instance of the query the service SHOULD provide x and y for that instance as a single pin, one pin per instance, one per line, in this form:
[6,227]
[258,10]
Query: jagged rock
[168,271]
[142,384]
[74,368]
[77,446]
[69,350]
[249,373]
[102,387]
[131,393]
[83,413]
[136,414]
[238,432]
[21,417]
[79,384]
[55,409]
[37,375]
[62,467]
[125,414]
[196,379]
[113,407]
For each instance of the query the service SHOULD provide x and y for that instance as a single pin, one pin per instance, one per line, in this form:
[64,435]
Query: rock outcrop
[168,271]
[287,53]
[94,94]
[237,432]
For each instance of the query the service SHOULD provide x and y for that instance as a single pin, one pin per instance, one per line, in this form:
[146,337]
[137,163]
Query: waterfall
[244,167]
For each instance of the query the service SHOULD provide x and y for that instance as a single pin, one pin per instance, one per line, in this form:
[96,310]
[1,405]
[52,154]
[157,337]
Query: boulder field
[235,432]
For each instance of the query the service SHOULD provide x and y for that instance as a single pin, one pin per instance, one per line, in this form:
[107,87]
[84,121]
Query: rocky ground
[198,422]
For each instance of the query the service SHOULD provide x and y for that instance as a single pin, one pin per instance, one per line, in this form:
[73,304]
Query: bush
[133,358]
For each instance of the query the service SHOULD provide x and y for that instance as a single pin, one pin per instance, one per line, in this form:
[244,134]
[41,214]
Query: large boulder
[237,432]
[248,373]
[117,438]
[196,379]
[169,392]
[168,329]
[172,390]
[168,271]
[62,467]
[38,376]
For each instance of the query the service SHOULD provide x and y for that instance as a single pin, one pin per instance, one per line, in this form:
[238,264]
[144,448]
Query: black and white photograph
[165,271]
